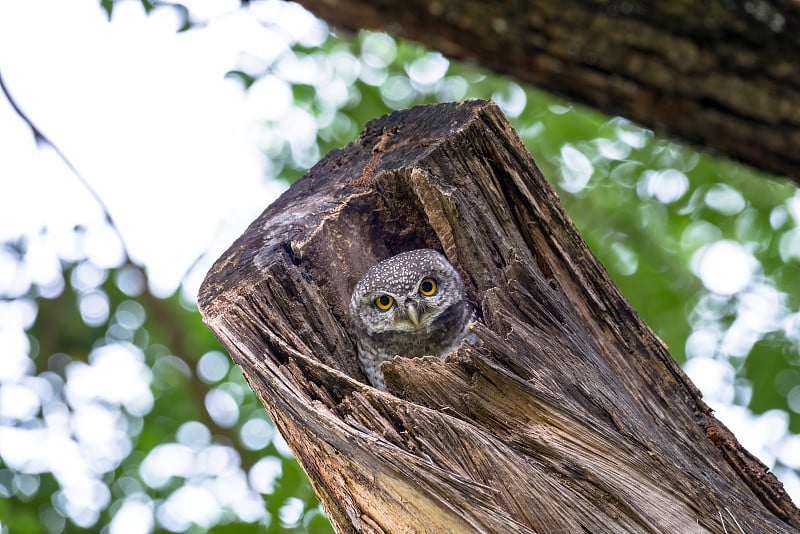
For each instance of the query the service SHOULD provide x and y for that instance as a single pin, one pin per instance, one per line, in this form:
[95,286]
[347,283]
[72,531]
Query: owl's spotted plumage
[412,304]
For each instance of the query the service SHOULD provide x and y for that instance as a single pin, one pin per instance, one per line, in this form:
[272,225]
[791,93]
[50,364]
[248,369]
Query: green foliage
[648,208]
[183,13]
[97,309]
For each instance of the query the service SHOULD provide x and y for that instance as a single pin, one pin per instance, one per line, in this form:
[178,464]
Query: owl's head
[406,293]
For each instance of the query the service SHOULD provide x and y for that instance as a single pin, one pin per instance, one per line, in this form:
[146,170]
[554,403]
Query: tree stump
[570,416]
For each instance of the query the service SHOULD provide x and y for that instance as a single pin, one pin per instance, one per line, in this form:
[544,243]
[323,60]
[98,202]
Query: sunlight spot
[452,89]
[397,92]
[629,133]
[216,460]
[372,76]
[130,315]
[791,327]
[790,480]
[128,485]
[93,306]
[300,129]
[702,344]
[499,25]
[332,95]
[304,28]
[213,366]
[789,245]
[117,374]
[14,348]
[428,70]
[346,67]
[164,462]
[101,431]
[281,446]
[86,276]
[576,169]
[625,261]
[789,454]
[26,485]
[724,267]
[264,473]
[613,150]
[378,50]
[256,433]
[44,267]
[793,399]
[724,199]
[194,435]
[135,516]
[778,216]
[511,99]
[169,371]
[759,310]
[17,314]
[15,280]
[103,247]
[713,377]
[130,280]
[793,206]
[18,402]
[222,407]
[187,505]
[232,490]
[786,379]
[51,519]
[291,511]
[83,500]
[666,186]
[760,434]
[559,109]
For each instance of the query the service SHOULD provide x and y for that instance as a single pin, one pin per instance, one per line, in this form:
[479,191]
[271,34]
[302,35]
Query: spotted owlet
[412,304]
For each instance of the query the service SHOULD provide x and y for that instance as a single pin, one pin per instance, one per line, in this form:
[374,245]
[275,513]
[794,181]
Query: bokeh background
[120,413]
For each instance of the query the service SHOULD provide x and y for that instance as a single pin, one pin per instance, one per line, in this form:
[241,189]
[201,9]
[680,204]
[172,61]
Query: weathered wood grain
[571,416]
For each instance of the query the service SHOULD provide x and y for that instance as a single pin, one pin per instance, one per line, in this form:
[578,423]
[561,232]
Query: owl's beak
[411,312]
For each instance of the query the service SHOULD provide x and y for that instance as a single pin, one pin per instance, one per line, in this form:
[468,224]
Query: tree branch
[42,139]
[715,74]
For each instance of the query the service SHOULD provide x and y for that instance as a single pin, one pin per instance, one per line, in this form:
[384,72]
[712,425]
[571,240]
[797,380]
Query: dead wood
[570,417]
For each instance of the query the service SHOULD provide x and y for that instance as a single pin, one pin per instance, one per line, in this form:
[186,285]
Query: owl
[412,304]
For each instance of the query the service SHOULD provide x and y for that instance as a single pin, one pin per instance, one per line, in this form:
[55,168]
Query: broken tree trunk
[571,416]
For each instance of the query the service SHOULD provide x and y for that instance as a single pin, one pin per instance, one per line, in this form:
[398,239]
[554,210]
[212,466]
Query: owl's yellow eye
[427,287]
[384,302]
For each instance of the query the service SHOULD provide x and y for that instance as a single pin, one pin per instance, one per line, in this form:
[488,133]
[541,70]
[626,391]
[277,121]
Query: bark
[571,416]
[719,74]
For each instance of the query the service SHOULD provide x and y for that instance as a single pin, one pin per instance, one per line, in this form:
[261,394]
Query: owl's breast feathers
[440,338]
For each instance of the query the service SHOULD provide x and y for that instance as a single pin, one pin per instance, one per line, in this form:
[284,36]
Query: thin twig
[41,139]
